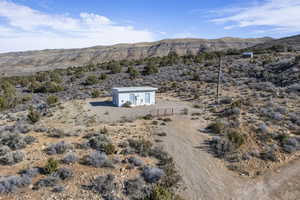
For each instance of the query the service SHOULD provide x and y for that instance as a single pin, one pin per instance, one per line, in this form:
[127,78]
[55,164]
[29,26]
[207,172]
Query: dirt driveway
[204,176]
[207,178]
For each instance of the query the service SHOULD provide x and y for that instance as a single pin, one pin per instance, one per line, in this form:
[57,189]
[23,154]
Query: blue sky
[48,24]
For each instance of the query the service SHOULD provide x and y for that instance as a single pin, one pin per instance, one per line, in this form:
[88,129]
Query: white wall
[141,100]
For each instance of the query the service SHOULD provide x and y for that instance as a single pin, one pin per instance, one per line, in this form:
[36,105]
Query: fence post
[172,111]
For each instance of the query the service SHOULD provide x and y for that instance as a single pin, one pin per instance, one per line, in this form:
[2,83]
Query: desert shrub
[152,174]
[4,150]
[58,148]
[49,87]
[167,119]
[51,166]
[150,68]
[282,138]
[162,134]
[91,80]
[97,159]
[52,100]
[55,77]
[297,59]
[218,126]
[33,115]
[12,158]
[109,148]
[236,138]
[104,130]
[63,173]
[290,145]
[133,72]
[135,161]
[9,184]
[172,178]
[103,76]
[95,93]
[226,100]
[141,147]
[26,98]
[160,193]
[13,141]
[263,128]
[231,112]
[29,139]
[98,142]
[185,111]
[58,188]
[136,189]
[69,158]
[221,146]
[269,155]
[30,172]
[49,181]
[148,117]
[34,86]
[103,185]
[8,98]
[115,68]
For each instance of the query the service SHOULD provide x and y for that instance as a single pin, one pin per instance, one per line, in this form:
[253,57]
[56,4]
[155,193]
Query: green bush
[133,72]
[115,68]
[160,193]
[150,68]
[48,87]
[109,148]
[236,138]
[8,98]
[33,115]
[52,100]
[103,76]
[27,97]
[55,77]
[34,86]
[95,93]
[91,80]
[51,166]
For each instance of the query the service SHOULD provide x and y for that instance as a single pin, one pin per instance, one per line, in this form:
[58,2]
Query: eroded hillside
[33,61]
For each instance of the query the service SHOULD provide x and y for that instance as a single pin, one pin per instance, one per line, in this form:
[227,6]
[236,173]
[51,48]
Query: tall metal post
[219,79]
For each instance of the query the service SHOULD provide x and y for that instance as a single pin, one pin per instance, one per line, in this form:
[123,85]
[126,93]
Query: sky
[50,24]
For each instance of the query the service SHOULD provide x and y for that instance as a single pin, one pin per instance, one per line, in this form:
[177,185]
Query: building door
[147,98]
[132,99]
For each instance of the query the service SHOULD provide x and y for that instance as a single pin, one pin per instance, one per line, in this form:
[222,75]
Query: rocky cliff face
[32,61]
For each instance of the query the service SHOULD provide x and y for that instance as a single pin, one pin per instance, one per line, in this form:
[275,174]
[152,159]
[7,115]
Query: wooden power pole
[219,79]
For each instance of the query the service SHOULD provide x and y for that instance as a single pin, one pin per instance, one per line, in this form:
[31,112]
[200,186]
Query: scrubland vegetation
[257,122]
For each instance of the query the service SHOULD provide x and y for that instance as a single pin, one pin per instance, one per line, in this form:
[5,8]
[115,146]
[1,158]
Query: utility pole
[219,79]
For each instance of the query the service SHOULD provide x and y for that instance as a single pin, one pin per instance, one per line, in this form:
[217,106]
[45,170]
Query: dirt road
[207,178]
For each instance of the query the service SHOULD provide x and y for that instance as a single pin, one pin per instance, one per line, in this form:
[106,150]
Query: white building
[135,96]
[248,54]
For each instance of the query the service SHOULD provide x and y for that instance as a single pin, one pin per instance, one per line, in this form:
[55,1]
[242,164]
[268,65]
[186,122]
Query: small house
[133,96]
[248,54]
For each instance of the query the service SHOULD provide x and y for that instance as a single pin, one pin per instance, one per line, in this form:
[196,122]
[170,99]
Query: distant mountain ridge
[32,61]
[292,41]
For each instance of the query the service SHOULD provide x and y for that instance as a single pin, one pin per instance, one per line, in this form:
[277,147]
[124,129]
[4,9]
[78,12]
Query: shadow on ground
[102,103]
